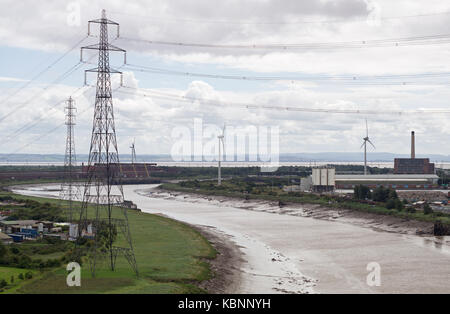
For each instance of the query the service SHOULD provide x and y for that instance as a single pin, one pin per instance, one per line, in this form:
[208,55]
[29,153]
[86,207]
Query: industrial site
[167,149]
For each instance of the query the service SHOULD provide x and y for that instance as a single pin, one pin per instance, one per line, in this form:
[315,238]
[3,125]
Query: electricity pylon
[69,190]
[103,191]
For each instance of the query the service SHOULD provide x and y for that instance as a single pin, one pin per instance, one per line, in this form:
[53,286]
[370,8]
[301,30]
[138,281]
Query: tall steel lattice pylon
[103,191]
[69,189]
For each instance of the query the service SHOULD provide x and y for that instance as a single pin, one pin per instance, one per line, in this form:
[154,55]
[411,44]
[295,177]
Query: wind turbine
[366,139]
[221,144]
[133,152]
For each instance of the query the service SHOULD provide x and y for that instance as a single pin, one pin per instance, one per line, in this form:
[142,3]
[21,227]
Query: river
[293,254]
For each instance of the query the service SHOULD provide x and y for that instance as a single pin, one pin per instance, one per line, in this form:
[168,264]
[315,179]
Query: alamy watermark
[73,279]
[374,277]
[374,16]
[73,14]
[252,143]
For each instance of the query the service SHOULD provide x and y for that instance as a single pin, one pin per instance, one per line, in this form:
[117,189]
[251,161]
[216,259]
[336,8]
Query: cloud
[44,27]
[11,79]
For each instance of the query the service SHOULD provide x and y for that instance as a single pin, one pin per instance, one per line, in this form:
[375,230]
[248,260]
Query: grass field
[171,257]
[7,272]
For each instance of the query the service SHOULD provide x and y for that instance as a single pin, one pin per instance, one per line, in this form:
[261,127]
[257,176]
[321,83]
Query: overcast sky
[35,34]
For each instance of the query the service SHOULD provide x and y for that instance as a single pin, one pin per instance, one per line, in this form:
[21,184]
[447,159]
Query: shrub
[398,205]
[427,209]
[3,283]
[390,204]
[28,275]
[3,250]
[21,276]
[380,194]
[411,210]
[361,192]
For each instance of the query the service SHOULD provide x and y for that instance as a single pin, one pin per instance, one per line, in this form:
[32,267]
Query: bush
[398,205]
[427,209]
[380,194]
[21,276]
[3,283]
[361,192]
[28,275]
[411,210]
[392,194]
[440,229]
[3,251]
[390,204]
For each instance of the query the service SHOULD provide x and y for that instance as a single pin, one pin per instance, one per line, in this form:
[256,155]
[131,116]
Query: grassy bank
[171,257]
[277,195]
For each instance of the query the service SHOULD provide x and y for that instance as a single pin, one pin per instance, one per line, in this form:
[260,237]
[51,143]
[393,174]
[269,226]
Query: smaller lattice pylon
[70,190]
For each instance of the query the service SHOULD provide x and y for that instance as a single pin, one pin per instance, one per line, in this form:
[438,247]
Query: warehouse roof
[386,177]
[4,236]
[18,222]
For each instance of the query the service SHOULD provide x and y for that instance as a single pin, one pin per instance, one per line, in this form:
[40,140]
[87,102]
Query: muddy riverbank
[363,219]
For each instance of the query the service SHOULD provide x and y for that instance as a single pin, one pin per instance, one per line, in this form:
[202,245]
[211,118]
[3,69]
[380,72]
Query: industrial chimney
[413,146]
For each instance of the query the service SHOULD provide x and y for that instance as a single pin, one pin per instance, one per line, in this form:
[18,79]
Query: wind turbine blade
[371,143]
[223,146]
[364,143]
[367,129]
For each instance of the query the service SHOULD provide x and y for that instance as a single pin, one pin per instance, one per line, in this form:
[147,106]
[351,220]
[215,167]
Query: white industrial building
[323,179]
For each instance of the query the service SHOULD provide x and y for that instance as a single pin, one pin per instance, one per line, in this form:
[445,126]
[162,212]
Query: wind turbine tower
[366,140]
[221,144]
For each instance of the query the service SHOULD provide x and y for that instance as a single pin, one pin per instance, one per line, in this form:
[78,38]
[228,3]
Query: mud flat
[330,248]
[364,219]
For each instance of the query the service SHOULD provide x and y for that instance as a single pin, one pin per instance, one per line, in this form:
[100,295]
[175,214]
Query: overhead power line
[174,97]
[41,136]
[390,42]
[158,19]
[47,68]
[36,121]
[62,77]
[353,79]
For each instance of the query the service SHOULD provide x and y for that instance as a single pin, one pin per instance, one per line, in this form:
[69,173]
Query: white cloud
[150,120]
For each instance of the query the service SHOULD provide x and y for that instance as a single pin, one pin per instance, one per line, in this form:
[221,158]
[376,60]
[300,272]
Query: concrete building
[323,179]
[394,181]
[13,226]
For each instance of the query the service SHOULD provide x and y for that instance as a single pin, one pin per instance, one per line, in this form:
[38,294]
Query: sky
[40,68]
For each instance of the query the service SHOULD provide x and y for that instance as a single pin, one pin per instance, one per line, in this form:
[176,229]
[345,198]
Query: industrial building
[394,181]
[413,165]
[409,174]
[323,179]
[21,230]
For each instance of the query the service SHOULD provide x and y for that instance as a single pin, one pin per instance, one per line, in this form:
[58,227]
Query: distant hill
[356,156]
